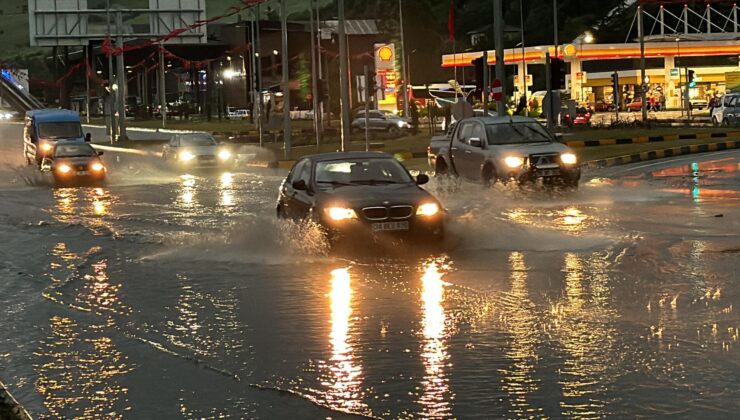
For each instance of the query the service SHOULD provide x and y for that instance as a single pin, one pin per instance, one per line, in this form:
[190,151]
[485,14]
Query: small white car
[727,112]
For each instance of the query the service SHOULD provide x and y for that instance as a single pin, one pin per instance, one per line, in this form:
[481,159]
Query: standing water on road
[164,295]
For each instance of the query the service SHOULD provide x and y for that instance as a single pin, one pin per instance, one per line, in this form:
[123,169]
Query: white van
[727,112]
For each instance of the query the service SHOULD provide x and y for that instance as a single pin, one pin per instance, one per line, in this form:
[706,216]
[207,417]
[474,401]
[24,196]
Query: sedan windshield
[516,133]
[74,150]
[60,130]
[361,172]
[196,140]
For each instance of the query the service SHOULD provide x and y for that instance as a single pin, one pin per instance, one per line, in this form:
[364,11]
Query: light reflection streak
[86,206]
[581,325]
[187,194]
[436,400]
[518,378]
[79,367]
[345,392]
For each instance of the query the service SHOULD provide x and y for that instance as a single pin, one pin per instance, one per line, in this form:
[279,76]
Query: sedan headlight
[224,155]
[340,213]
[514,162]
[46,147]
[64,168]
[186,156]
[427,209]
[97,167]
[568,158]
[402,124]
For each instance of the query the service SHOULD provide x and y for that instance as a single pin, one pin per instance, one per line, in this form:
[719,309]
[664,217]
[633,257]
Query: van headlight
[427,209]
[514,162]
[340,213]
[64,168]
[568,158]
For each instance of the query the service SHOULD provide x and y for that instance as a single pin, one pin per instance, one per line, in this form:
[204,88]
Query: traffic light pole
[548,88]
[287,128]
[687,96]
[343,79]
[486,82]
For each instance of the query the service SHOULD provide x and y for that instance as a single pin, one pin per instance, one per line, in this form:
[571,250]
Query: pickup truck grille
[385,213]
[550,160]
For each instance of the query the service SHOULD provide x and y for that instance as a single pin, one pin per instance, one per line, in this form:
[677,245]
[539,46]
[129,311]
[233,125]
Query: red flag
[451,21]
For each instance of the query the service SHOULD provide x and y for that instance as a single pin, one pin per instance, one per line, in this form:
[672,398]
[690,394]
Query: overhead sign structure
[72,22]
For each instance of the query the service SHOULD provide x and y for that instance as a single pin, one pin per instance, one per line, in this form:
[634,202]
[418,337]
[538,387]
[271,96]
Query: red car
[583,117]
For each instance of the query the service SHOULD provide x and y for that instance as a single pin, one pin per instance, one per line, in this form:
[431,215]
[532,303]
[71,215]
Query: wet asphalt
[171,295]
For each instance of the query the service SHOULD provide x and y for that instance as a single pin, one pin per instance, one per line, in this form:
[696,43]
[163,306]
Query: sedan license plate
[389,226]
[548,172]
[82,173]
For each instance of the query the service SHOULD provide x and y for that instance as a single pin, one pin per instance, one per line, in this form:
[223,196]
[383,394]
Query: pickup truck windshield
[516,133]
[60,130]
[360,172]
[196,140]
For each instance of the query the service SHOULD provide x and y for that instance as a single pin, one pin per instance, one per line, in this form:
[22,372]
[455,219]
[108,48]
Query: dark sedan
[75,162]
[360,194]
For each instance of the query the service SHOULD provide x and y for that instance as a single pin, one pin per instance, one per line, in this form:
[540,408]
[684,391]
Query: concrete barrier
[650,139]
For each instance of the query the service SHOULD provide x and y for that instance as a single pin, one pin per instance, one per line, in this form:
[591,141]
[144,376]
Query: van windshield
[60,130]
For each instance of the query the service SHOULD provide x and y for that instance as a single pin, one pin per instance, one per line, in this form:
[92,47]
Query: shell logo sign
[385,55]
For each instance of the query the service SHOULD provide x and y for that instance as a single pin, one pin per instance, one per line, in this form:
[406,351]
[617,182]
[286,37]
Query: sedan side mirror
[88,138]
[300,185]
[559,137]
[475,142]
[422,179]
[100,153]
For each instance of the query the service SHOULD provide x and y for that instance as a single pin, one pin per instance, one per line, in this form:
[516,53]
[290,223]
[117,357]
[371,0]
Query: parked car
[195,151]
[727,111]
[380,121]
[603,106]
[583,117]
[73,162]
[358,195]
[516,148]
[238,114]
[698,103]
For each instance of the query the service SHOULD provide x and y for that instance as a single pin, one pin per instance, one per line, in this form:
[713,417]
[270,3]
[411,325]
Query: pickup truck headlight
[186,156]
[340,213]
[224,154]
[514,162]
[568,158]
[427,209]
[46,147]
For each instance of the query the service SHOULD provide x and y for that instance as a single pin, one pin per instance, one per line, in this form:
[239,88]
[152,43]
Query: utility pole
[258,67]
[498,24]
[319,65]
[555,25]
[286,79]
[343,87]
[550,96]
[162,87]
[87,82]
[121,80]
[405,84]
[524,62]
[109,105]
[314,81]
[486,82]
[641,33]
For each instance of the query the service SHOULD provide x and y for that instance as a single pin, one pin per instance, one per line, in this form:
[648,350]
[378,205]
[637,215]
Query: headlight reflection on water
[345,391]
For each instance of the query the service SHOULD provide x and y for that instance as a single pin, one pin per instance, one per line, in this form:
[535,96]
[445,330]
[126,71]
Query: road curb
[9,406]
[662,153]
[650,139]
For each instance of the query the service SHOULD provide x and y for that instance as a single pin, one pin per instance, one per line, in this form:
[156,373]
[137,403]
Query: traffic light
[478,64]
[557,73]
[372,84]
[690,77]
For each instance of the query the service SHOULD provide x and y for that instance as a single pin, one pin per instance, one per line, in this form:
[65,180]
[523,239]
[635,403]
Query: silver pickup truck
[490,149]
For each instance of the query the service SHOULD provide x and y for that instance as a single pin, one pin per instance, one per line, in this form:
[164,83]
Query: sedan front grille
[375,213]
[401,212]
[81,167]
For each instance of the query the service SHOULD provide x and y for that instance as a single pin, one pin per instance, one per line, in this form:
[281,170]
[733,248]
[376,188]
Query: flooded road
[163,295]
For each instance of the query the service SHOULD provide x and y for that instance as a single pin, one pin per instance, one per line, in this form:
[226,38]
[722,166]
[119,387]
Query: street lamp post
[405,84]
[524,62]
